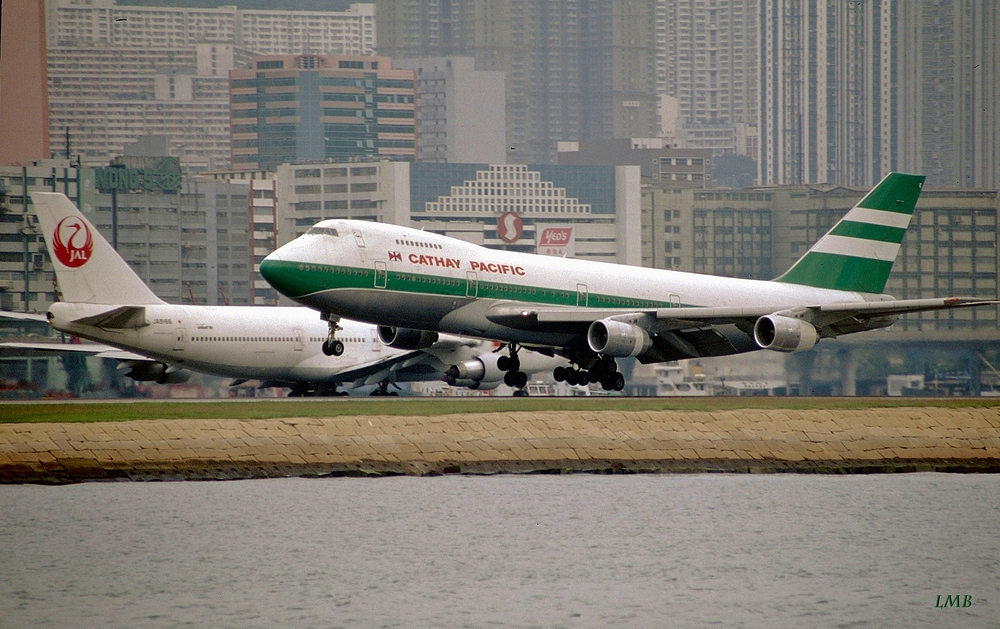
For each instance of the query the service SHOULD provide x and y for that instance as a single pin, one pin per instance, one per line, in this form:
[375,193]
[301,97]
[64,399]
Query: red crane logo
[67,245]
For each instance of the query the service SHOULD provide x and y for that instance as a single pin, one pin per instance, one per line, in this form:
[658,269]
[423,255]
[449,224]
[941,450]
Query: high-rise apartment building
[104,23]
[947,86]
[826,91]
[574,70]
[117,73]
[104,99]
[852,90]
[294,109]
[713,72]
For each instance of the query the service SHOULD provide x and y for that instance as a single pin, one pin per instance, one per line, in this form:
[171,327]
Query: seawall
[826,441]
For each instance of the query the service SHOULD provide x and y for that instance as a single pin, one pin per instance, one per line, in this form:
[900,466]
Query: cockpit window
[322,231]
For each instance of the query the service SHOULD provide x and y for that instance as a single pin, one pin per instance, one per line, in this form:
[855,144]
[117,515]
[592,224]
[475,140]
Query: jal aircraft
[593,312]
[105,301]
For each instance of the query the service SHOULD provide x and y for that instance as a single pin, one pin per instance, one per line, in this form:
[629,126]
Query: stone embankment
[831,441]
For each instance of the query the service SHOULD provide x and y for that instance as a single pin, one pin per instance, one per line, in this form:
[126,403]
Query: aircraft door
[472,284]
[297,338]
[582,297]
[180,338]
[359,239]
[675,301]
[381,275]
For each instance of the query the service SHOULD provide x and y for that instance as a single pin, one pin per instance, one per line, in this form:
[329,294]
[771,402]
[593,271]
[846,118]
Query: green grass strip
[275,409]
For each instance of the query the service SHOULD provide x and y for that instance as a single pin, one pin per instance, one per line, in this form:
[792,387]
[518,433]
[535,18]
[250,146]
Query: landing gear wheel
[333,348]
[510,379]
[558,374]
[509,363]
[618,382]
[520,393]
[521,379]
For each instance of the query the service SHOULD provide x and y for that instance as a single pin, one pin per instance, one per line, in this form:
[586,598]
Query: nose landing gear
[332,346]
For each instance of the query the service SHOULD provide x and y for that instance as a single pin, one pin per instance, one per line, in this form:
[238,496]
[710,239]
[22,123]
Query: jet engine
[615,338]
[784,334]
[406,338]
[476,371]
[155,372]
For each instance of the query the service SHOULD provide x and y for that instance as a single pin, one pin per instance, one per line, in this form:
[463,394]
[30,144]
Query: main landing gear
[383,389]
[603,371]
[307,389]
[514,377]
[332,346]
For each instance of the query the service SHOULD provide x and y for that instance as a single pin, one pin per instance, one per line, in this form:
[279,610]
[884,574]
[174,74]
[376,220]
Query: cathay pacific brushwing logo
[72,242]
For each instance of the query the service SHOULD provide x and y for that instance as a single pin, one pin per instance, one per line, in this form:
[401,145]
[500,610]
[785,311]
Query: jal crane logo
[71,247]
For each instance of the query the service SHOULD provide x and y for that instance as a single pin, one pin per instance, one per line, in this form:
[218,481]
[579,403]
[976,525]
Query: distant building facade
[658,161]
[189,240]
[573,70]
[308,108]
[24,109]
[27,281]
[713,72]
[461,111]
[585,212]
[119,72]
[849,92]
[370,191]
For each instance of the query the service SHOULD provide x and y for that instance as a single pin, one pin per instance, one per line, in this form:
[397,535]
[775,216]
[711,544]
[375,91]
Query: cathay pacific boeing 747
[593,312]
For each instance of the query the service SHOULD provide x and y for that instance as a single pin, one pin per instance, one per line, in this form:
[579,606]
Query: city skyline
[815,91]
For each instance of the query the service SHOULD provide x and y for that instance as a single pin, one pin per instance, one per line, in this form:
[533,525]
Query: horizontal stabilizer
[22,316]
[125,317]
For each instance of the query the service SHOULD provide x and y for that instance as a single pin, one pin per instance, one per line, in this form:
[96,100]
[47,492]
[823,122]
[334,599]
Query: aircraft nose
[281,271]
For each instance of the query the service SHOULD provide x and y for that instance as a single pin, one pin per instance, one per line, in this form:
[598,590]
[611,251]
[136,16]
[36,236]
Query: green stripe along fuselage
[310,279]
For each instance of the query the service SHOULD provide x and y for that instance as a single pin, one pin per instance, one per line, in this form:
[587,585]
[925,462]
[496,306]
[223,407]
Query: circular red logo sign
[509,227]
[72,247]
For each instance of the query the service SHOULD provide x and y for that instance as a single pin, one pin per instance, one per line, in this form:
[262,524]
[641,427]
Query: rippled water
[505,551]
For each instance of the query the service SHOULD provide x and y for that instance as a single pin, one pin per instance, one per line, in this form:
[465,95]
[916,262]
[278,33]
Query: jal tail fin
[858,253]
[88,269]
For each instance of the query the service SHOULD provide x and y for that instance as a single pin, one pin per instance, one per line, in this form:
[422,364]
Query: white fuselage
[397,276]
[234,341]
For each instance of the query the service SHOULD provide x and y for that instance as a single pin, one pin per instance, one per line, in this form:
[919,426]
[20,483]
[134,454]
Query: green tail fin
[858,253]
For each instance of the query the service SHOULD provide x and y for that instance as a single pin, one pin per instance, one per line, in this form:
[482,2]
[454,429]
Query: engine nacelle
[156,372]
[482,368]
[618,339]
[784,334]
[406,338]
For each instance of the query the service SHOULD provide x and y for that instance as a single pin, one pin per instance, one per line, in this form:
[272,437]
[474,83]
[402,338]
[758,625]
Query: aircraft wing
[22,316]
[93,349]
[381,369]
[698,332]
[529,316]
